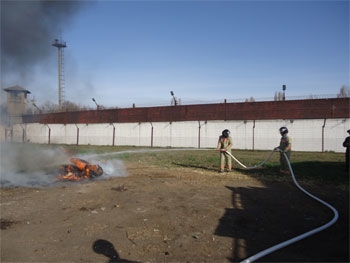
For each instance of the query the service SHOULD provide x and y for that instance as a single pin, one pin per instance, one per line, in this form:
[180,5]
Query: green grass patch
[317,167]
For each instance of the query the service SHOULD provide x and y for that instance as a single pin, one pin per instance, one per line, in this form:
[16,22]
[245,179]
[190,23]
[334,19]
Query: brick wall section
[270,110]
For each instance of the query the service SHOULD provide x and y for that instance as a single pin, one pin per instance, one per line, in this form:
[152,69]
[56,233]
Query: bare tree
[278,96]
[251,99]
[71,106]
[49,107]
[66,106]
[344,92]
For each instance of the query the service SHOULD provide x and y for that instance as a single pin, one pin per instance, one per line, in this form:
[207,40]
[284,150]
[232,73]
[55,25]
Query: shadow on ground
[281,212]
[107,249]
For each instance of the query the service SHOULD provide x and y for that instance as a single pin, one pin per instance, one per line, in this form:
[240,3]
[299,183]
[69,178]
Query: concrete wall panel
[307,135]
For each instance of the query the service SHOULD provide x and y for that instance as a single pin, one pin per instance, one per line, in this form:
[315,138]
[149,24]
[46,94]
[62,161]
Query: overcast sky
[125,52]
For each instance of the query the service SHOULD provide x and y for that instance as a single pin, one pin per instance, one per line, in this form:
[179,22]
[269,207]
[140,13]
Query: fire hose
[252,167]
[299,237]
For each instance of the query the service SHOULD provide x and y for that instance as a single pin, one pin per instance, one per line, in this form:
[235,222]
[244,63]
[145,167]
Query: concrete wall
[307,135]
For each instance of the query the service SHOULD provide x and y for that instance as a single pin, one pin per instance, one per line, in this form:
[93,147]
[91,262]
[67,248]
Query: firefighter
[224,145]
[284,147]
[346,144]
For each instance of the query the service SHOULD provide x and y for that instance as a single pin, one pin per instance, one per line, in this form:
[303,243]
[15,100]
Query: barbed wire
[180,102]
[225,100]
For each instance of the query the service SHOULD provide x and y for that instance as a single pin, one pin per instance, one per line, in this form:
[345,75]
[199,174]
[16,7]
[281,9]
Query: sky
[135,52]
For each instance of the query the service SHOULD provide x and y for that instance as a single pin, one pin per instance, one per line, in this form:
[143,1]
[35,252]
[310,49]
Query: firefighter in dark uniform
[346,144]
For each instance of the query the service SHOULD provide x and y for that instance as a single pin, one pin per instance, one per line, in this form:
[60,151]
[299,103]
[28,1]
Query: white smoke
[31,165]
[112,168]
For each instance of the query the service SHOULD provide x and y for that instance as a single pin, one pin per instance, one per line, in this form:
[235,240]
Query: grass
[310,167]
[313,167]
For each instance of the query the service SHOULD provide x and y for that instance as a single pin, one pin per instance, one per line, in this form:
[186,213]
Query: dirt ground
[171,215]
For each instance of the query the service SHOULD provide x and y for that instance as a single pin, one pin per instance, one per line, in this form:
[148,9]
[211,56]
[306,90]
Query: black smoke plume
[28,29]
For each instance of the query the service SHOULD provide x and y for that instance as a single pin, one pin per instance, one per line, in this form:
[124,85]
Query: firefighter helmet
[283,130]
[226,133]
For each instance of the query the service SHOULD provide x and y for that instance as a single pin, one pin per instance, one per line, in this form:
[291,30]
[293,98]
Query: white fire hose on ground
[299,237]
[251,167]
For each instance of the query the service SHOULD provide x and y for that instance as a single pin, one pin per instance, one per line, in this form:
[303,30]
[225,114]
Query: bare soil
[171,215]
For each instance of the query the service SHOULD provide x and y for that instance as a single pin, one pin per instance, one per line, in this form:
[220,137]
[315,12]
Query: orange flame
[79,170]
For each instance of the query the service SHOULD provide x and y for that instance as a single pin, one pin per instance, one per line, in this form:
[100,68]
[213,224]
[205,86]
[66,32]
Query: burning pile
[79,170]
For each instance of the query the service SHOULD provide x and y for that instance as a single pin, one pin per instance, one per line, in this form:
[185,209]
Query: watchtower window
[16,95]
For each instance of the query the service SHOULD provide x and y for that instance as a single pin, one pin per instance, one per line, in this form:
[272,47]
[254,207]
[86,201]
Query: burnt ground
[171,215]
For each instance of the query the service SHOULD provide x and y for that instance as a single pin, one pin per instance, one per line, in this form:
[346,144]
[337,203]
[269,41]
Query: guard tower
[60,45]
[16,104]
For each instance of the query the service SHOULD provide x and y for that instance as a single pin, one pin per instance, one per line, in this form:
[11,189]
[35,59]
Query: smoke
[31,165]
[27,28]
[112,168]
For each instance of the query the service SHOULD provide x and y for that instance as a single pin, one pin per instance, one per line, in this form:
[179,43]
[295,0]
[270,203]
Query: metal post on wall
[151,134]
[199,134]
[23,133]
[171,133]
[113,134]
[225,103]
[77,134]
[49,134]
[253,134]
[323,126]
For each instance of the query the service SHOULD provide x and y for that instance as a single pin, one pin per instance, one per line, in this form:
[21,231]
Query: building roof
[16,88]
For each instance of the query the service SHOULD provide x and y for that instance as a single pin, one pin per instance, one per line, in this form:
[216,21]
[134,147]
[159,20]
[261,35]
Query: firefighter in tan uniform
[224,145]
[284,147]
